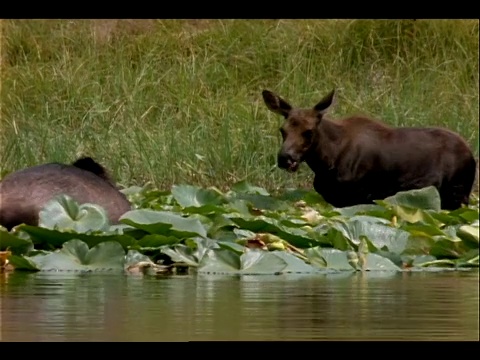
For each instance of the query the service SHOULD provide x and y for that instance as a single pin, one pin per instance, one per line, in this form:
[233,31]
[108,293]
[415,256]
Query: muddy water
[373,306]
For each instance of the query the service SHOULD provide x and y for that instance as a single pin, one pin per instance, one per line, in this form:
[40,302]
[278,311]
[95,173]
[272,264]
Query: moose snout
[287,162]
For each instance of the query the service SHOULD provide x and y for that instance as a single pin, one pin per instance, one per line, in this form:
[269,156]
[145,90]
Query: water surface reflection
[370,306]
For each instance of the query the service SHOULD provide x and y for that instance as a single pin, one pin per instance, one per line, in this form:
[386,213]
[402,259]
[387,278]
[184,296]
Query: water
[372,306]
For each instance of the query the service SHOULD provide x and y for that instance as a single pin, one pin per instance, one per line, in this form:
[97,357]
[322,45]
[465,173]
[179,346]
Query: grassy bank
[175,101]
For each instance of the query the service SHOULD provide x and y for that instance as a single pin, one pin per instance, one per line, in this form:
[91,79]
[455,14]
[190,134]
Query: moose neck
[324,151]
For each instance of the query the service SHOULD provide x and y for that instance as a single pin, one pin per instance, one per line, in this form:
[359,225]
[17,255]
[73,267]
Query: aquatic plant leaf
[181,254]
[76,256]
[261,262]
[219,261]
[64,213]
[232,246]
[55,238]
[469,259]
[465,214]
[309,197]
[20,262]
[426,198]
[261,224]
[191,252]
[362,209]
[193,196]
[252,262]
[470,234]
[376,262]
[164,223]
[381,235]
[156,240]
[328,258]
[263,202]
[244,187]
[293,264]
[419,245]
[423,229]
[14,243]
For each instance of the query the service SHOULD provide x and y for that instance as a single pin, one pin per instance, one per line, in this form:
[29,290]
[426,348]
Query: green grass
[179,101]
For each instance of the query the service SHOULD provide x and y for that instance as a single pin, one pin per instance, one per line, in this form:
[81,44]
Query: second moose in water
[357,160]
[25,192]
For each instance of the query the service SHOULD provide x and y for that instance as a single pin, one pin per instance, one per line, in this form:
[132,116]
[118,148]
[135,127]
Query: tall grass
[179,101]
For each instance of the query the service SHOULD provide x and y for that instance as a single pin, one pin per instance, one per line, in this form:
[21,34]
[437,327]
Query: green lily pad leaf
[64,213]
[244,187]
[438,263]
[192,196]
[375,262]
[219,224]
[350,211]
[181,254]
[264,202]
[22,263]
[75,256]
[232,246]
[421,259]
[427,198]
[164,223]
[419,245]
[261,262]
[469,259]
[448,248]
[423,229]
[294,195]
[368,219]
[330,258]
[223,235]
[412,215]
[380,235]
[238,206]
[261,224]
[335,238]
[465,214]
[469,234]
[293,264]
[219,261]
[55,239]
[397,259]
[157,241]
[252,262]
[242,233]
[192,252]
[15,244]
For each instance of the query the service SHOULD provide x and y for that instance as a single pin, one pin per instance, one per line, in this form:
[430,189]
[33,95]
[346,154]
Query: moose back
[357,160]
[24,193]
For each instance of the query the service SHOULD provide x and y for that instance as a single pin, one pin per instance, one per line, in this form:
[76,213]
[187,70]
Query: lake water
[369,306]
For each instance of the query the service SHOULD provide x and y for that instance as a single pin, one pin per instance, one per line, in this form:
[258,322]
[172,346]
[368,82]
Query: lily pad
[426,198]
[164,223]
[15,244]
[64,213]
[76,256]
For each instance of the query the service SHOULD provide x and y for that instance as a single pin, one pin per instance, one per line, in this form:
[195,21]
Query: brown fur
[357,160]
[24,192]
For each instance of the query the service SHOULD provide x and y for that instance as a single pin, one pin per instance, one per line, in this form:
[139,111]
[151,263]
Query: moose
[356,160]
[24,193]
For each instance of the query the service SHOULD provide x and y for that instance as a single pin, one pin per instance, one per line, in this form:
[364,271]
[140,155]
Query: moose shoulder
[357,160]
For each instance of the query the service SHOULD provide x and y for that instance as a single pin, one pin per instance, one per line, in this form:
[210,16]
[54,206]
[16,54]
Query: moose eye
[307,135]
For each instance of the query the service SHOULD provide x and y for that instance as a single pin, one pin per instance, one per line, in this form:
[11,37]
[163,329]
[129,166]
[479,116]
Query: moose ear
[325,103]
[276,104]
